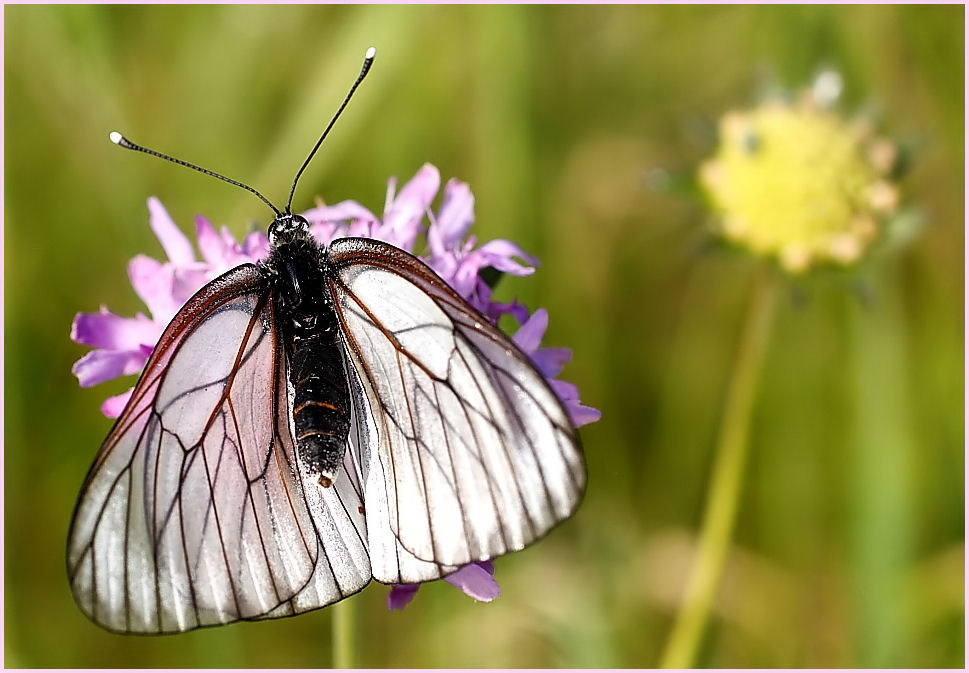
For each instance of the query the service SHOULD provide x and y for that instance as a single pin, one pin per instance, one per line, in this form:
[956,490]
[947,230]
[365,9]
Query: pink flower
[122,345]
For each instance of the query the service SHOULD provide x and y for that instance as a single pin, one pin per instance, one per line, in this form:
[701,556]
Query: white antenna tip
[371,53]
[115,137]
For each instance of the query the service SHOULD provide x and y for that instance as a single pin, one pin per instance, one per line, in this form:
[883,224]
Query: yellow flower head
[795,181]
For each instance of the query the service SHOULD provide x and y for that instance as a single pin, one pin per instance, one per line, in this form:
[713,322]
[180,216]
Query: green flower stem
[727,479]
[345,634]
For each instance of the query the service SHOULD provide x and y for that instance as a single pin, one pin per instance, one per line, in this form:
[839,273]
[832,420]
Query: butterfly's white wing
[196,511]
[472,455]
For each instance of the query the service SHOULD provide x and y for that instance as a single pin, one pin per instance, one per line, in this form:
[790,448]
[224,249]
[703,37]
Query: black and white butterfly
[332,415]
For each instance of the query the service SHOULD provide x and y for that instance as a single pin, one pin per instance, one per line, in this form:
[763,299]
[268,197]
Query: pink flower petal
[480,298]
[566,391]
[189,280]
[102,365]
[581,414]
[153,282]
[569,394]
[340,212]
[529,335]
[501,253]
[454,220]
[113,332]
[551,361]
[325,232]
[228,240]
[365,228]
[515,309]
[214,248]
[440,256]
[176,244]
[464,277]
[405,214]
[389,197]
[113,406]
[476,582]
[400,595]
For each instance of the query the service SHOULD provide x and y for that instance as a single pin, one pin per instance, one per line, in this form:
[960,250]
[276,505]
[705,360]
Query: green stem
[727,480]
[344,634]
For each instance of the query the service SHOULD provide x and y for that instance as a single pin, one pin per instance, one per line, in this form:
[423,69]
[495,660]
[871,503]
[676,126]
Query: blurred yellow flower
[797,182]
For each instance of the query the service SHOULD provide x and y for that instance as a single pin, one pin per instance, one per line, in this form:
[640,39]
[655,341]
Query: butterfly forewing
[477,454]
[195,511]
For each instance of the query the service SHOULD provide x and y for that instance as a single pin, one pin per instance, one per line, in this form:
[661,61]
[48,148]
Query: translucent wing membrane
[470,454]
[196,511]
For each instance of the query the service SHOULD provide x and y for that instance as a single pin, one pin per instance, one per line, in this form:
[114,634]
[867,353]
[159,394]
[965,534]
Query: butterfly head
[287,227]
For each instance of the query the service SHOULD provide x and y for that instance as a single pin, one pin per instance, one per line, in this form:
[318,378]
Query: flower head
[123,345]
[796,182]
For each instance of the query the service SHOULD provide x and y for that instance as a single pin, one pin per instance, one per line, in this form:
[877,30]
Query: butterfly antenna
[119,139]
[367,62]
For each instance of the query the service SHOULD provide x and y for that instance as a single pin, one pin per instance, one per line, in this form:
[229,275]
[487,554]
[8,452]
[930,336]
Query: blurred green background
[567,122]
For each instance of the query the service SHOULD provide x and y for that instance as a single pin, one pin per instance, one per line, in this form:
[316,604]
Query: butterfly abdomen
[321,405]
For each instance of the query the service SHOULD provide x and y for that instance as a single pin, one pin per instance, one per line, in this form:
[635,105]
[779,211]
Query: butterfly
[332,415]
